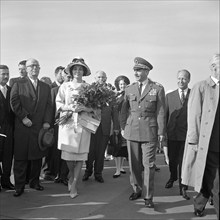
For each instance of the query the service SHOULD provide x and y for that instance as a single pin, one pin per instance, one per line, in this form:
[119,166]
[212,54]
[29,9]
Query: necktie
[182,96]
[140,88]
[4,91]
[35,84]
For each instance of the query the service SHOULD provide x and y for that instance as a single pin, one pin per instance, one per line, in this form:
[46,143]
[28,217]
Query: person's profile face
[59,76]
[22,70]
[141,74]
[4,76]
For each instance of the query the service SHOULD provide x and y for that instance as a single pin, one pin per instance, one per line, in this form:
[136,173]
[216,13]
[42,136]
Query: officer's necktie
[140,88]
[182,96]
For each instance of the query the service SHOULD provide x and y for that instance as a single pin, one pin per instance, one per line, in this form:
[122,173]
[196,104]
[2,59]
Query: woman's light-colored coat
[202,106]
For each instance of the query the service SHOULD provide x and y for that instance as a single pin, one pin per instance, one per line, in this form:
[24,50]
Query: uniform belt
[143,114]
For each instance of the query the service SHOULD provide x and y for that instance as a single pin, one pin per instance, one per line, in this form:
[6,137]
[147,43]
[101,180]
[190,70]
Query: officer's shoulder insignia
[158,84]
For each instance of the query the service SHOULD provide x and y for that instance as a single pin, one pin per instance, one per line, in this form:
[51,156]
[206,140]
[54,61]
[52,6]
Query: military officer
[145,125]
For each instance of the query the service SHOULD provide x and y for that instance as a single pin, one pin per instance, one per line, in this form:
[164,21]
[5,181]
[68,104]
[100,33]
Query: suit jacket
[54,84]
[6,121]
[202,106]
[36,105]
[176,115]
[12,81]
[147,112]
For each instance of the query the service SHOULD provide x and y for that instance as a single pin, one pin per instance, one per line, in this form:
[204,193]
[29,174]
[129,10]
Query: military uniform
[145,122]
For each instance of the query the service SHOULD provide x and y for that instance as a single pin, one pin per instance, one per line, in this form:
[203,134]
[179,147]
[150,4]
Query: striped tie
[182,97]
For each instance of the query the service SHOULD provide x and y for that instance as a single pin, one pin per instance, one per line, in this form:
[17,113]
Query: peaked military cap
[140,63]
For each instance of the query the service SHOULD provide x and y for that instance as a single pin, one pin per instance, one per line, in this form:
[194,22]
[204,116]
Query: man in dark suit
[49,167]
[31,103]
[144,127]
[22,72]
[6,130]
[57,164]
[100,139]
[176,114]
[58,75]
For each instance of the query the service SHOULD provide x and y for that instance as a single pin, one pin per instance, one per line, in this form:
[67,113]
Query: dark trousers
[96,154]
[216,193]
[20,171]
[59,166]
[175,154]
[6,154]
[211,168]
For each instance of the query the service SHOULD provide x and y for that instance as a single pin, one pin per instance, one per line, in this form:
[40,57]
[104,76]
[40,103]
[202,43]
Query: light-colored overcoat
[202,106]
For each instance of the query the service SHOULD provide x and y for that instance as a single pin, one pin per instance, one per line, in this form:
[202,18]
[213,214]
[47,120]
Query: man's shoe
[169,184]
[211,201]
[38,187]
[57,180]
[9,186]
[184,194]
[149,203]
[99,179]
[198,212]
[85,177]
[157,168]
[65,182]
[18,192]
[48,178]
[135,196]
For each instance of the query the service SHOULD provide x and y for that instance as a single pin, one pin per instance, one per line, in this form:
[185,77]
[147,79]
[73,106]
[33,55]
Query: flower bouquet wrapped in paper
[95,97]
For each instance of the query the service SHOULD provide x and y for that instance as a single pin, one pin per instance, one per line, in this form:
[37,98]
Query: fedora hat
[45,138]
[78,61]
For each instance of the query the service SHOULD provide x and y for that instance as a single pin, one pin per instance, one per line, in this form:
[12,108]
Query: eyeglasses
[34,65]
[78,60]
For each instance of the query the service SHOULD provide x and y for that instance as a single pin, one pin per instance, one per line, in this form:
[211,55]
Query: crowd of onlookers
[184,123]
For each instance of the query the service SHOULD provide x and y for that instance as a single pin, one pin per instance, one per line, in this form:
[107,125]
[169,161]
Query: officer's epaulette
[158,84]
[130,85]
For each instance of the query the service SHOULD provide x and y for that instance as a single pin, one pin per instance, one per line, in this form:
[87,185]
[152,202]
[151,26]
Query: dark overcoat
[36,105]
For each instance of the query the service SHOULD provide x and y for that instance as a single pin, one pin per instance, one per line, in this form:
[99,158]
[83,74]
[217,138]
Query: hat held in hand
[45,138]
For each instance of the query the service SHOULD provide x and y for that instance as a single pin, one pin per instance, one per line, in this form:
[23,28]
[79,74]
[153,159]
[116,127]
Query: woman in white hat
[73,139]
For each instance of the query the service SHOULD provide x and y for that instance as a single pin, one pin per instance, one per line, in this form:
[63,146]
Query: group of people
[184,122]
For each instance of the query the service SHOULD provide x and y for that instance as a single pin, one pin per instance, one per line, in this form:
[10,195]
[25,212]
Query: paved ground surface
[100,201]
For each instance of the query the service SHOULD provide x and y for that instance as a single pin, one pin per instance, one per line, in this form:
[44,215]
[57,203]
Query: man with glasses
[22,72]
[145,104]
[31,102]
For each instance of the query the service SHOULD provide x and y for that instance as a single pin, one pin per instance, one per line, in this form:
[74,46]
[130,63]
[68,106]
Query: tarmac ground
[108,200]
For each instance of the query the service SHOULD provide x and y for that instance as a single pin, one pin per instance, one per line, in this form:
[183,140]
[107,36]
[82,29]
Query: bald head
[214,66]
[100,77]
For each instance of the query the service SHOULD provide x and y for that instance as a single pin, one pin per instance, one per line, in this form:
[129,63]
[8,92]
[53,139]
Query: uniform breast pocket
[151,104]
[133,101]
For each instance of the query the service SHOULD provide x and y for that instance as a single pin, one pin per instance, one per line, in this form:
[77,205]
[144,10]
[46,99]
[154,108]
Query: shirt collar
[58,83]
[216,81]
[185,91]
[1,87]
[144,82]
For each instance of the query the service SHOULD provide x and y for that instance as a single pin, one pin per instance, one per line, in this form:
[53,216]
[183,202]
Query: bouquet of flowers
[96,95]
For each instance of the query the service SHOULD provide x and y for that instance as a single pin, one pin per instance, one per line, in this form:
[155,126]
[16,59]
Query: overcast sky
[171,35]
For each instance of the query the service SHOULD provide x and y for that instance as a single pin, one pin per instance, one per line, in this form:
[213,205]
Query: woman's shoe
[116,175]
[123,171]
[73,195]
